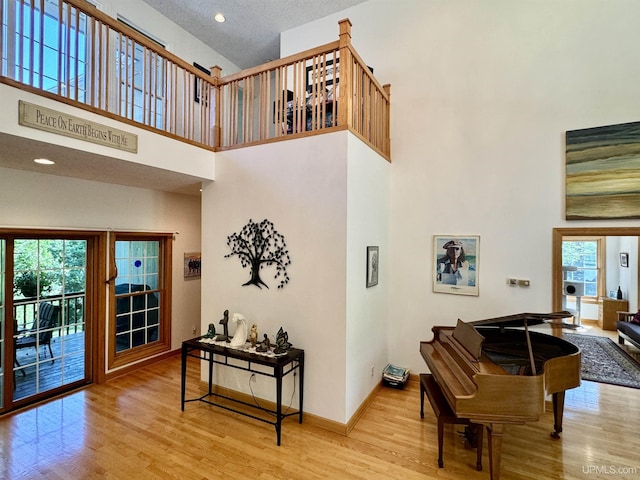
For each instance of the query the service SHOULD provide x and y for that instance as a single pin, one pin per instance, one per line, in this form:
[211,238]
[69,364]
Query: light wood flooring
[132,427]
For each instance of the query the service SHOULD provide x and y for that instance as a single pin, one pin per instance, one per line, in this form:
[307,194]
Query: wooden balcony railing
[69,51]
[324,89]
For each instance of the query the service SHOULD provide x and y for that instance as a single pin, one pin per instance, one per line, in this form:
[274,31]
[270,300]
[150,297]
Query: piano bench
[444,414]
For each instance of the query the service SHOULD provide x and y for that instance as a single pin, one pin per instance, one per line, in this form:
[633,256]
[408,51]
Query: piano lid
[521,319]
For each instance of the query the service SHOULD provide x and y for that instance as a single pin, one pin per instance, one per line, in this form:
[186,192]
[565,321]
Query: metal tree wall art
[259,245]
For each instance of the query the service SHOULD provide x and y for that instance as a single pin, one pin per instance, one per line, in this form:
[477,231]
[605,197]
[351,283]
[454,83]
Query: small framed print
[624,260]
[373,264]
[323,74]
[192,265]
[455,260]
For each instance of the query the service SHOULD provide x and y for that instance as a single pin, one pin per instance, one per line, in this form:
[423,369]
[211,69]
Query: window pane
[138,313]
[581,258]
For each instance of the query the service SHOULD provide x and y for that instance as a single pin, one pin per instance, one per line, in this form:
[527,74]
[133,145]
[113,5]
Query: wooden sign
[35,116]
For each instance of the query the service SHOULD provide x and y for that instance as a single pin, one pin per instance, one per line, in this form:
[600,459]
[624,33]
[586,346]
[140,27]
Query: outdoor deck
[39,373]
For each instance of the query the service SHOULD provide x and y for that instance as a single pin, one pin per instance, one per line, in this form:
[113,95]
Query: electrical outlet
[524,283]
[512,281]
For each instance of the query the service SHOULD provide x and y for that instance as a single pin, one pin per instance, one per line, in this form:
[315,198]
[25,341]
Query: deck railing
[70,51]
[72,312]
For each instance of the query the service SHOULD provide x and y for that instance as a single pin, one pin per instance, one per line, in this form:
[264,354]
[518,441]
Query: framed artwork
[192,265]
[327,73]
[455,260]
[196,82]
[603,172]
[373,259]
[624,260]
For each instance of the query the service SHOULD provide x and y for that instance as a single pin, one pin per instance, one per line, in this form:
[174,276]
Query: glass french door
[44,313]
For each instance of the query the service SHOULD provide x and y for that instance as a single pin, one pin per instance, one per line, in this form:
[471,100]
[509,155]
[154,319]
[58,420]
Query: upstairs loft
[70,52]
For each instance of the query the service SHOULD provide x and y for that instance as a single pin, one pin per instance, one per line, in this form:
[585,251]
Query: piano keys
[496,372]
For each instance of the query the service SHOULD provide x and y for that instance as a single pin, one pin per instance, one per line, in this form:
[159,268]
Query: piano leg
[495,431]
[558,410]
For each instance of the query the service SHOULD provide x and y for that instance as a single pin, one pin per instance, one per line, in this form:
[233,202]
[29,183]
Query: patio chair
[41,332]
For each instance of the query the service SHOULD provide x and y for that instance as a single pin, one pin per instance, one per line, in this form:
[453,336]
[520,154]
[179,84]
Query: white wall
[46,201]
[368,204]
[624,277]
[301,186]
[482,95]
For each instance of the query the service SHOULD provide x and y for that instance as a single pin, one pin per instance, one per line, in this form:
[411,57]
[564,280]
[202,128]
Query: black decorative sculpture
[211,333]
[282,342]
[265,345]
[225,325]
[259,245]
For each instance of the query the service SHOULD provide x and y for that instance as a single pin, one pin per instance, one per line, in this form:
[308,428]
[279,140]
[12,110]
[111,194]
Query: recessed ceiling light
[44,161]
[219,18]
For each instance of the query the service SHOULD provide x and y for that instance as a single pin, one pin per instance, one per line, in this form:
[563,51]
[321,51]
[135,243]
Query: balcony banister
[280,62]
[92,11]
[126,76]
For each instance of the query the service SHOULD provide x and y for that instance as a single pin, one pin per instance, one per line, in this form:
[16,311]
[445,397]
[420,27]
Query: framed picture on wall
[192,265]
[196,82]
[624,260]
[373,259]
[455,260]
[323,74]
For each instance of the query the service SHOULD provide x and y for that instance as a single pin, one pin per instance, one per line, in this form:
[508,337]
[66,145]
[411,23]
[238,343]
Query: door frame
[95,309]
[556,253]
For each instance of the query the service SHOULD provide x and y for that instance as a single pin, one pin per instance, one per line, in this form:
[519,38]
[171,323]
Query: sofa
[628,327]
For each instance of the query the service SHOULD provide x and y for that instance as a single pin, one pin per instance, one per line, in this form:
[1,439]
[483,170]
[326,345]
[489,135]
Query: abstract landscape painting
[603,172]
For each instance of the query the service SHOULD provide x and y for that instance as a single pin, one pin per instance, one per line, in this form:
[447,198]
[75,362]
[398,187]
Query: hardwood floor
[132,427]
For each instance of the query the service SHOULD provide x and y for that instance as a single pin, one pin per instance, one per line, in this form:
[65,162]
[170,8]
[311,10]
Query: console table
[279,366]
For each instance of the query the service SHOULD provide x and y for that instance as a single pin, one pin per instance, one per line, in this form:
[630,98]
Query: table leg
[210,372]
[183,376]
[301,384]
[278,403]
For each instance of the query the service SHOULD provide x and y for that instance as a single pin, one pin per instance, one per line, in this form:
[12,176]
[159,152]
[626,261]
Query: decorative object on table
[372,266]
[211,333]
[265,345]
[395,376]
[282,342]
[619,294]
[192,265]
[602,169]
[240,335]
[224,321]
[253,335]
[259,245]
[455,260]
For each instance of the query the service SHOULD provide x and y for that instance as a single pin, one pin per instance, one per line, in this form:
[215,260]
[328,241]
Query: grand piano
[497,372]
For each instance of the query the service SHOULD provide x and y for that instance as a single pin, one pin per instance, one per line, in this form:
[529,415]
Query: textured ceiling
[251,34]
